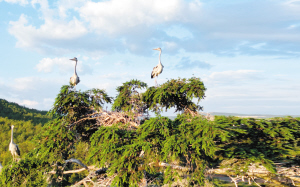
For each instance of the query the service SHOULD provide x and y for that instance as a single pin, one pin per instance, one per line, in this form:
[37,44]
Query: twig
[173,166]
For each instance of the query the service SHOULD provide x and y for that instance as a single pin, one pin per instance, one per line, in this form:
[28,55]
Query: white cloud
[134,26]
[186,63]
[179,32]
[63,65]
[28,103]
[21,2]
[44,8]
[65,5]
[24,83]
[233,77]
[119,16]
[33,92]
[47,34]
[47,103]
[171,46]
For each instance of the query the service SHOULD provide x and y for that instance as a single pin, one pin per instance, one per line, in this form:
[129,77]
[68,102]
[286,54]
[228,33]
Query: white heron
[157,69]
[74,80]
[14,148]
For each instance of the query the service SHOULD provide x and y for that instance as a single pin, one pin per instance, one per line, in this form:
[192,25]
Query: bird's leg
[156,81]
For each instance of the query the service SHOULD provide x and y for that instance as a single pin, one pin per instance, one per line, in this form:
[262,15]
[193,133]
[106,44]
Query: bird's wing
[161,69]
[10,148]
[154,71]
[73,80]
[18,150]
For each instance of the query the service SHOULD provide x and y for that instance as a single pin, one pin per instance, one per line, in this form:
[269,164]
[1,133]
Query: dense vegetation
[16,112]
[134,152]
[27,122]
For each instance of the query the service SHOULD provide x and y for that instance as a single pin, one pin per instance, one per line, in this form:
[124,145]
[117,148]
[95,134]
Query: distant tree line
[15,111]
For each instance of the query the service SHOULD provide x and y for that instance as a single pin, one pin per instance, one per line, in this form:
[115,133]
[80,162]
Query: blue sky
[246,52]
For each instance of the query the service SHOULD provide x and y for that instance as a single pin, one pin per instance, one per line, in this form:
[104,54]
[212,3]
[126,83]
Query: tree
[74,120]
[178,93]
[129,99]
[158,151]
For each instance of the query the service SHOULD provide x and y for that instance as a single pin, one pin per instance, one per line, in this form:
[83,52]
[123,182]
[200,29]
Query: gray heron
[13,148]
[74,80]
[157,69]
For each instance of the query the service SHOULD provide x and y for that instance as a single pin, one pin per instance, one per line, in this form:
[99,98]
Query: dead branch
[110,118]
[291,173]
[75,161]
[173,166]
[72,171]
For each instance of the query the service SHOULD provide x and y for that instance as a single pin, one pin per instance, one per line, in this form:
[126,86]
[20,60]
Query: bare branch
[173,166]
[76,161]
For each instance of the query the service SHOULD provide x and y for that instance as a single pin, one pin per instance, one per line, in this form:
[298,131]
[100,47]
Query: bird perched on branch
[74,80]
[13,148]
[157,69]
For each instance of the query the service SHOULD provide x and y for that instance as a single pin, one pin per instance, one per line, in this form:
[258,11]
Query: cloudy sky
[247,52]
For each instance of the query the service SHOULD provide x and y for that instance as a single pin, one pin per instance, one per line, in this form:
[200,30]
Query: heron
[1,167]
[14,148]
[157,69]
[74,80]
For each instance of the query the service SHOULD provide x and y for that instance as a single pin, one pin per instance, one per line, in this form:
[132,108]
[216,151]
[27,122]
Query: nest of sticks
[107,118]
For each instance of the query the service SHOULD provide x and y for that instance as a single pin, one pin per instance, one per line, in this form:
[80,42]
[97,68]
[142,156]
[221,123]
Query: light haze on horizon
[247,53]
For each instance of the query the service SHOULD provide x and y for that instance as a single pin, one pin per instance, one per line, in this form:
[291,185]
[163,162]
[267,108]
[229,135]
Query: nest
[107,118]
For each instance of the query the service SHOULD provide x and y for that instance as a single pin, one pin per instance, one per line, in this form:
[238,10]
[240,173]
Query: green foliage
[164,151]
[187,141]
[115,147]
[28,123]
[128,97]
[257,141]
[77,109]
[23,135]
[56,141]
[189,144]
[59,136]
[30,171]
[73,105]
[16,112]
[177,93]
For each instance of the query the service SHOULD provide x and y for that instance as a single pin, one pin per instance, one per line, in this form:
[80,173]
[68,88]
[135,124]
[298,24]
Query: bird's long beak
[73,59]
[156,49]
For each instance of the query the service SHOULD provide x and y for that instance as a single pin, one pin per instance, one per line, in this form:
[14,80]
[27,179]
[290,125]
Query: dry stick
[173,166]
[87,118]
[72,171]
[262,172]
[85,184]
[235,179]
[255,182]
[144,179]
[249,181]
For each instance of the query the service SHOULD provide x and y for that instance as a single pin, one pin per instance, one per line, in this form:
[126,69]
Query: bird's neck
[75,67]
[12,132]
[159,57]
